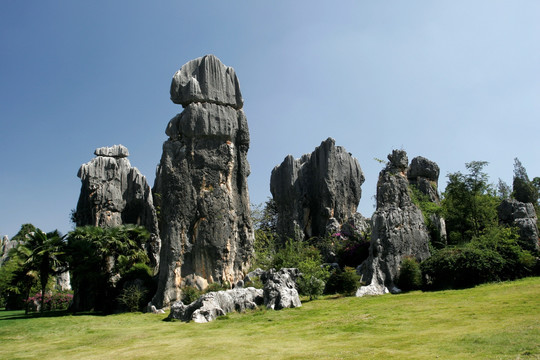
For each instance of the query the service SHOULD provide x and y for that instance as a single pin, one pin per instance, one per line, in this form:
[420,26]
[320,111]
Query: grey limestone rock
[5,246]
[206,79]
[114,193]
[201,182]
[213,304]
[398,229]
[280,288]
[424,175]
[522,215]
[316,193]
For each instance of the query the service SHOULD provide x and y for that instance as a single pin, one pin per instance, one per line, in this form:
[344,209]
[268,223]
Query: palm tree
[45,255]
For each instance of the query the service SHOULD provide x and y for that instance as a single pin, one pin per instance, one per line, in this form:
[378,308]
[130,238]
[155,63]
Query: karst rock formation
[317,193]
[398,228]
[523,216]
[201,183]
[114,193]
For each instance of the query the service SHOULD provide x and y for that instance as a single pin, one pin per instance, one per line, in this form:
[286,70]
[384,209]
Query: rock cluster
[279,292]
[213,304]
[523,216]
[398,226]
[201,182]
[316,193]
[114,193]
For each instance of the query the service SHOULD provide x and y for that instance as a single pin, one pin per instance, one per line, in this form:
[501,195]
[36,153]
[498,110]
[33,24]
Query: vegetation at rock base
[494,321]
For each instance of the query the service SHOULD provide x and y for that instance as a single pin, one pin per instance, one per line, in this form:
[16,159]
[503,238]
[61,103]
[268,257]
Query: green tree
[100,258]
[524,189]
[469,204]
[264,219]
[46,256]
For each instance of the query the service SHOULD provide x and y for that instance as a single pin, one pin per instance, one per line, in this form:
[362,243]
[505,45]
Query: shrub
[313,278]
[190,294]
[343,282]
[132,297]
[410,276]
[495,255]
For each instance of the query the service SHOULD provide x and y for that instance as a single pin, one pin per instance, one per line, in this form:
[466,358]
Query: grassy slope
[496,321]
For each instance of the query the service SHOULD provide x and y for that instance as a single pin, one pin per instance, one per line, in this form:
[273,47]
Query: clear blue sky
[453,81]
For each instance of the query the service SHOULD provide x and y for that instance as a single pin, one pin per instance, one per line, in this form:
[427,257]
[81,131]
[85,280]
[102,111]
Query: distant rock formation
[201,180]
[5,246]
[521,215]
[317,193]
[113,193]
[398,227]
[424,175]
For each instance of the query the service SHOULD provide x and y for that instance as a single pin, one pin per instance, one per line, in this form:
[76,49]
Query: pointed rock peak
[206,79]
[115,151]
[398,160]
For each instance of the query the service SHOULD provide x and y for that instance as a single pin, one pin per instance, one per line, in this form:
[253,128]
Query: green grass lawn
[495,321]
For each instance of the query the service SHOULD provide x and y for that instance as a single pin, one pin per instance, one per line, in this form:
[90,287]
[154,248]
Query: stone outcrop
[316,193]
[201,182]
[398,228]
[280,289]
[5,246]
[279,292]
[114,193]
[424,175]
[523,216]
[213,304]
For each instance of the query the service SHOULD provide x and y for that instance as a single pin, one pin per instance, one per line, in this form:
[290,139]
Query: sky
[453,81]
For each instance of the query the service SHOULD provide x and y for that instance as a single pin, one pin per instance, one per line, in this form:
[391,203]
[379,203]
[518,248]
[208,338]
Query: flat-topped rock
[206,79]
[115,151]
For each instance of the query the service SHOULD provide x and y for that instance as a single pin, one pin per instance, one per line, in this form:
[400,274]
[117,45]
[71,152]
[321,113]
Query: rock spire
[318,190]
[201,182]
[114,193]
[398,228]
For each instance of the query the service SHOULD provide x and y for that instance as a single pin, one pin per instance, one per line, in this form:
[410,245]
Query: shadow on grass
[20,315]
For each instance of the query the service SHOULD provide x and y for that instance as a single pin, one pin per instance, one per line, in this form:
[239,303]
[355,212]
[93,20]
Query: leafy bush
[343,282]
[190,294]
[53,301]
[133,297]
[410,275]
[493,256]
[313,278]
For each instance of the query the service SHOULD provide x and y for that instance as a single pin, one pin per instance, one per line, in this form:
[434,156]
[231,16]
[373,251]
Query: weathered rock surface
[201,180]
[206,80]
[5,246]
[213,304]
[280,289]
[398,229]
[424,175]
[113,193]
[522,215]
[317,192]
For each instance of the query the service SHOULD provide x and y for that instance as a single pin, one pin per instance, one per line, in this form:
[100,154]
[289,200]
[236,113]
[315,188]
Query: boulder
[523,216]
[316,193]
[280,289]
[398,229]
[201,183]
[114,193]
[213,304]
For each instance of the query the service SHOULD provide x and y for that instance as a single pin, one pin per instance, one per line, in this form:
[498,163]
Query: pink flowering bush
[56,301]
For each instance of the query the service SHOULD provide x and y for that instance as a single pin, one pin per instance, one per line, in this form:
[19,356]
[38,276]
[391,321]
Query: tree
[46,256]
[264,219]
[524,189]
[100,258]
[469,204]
